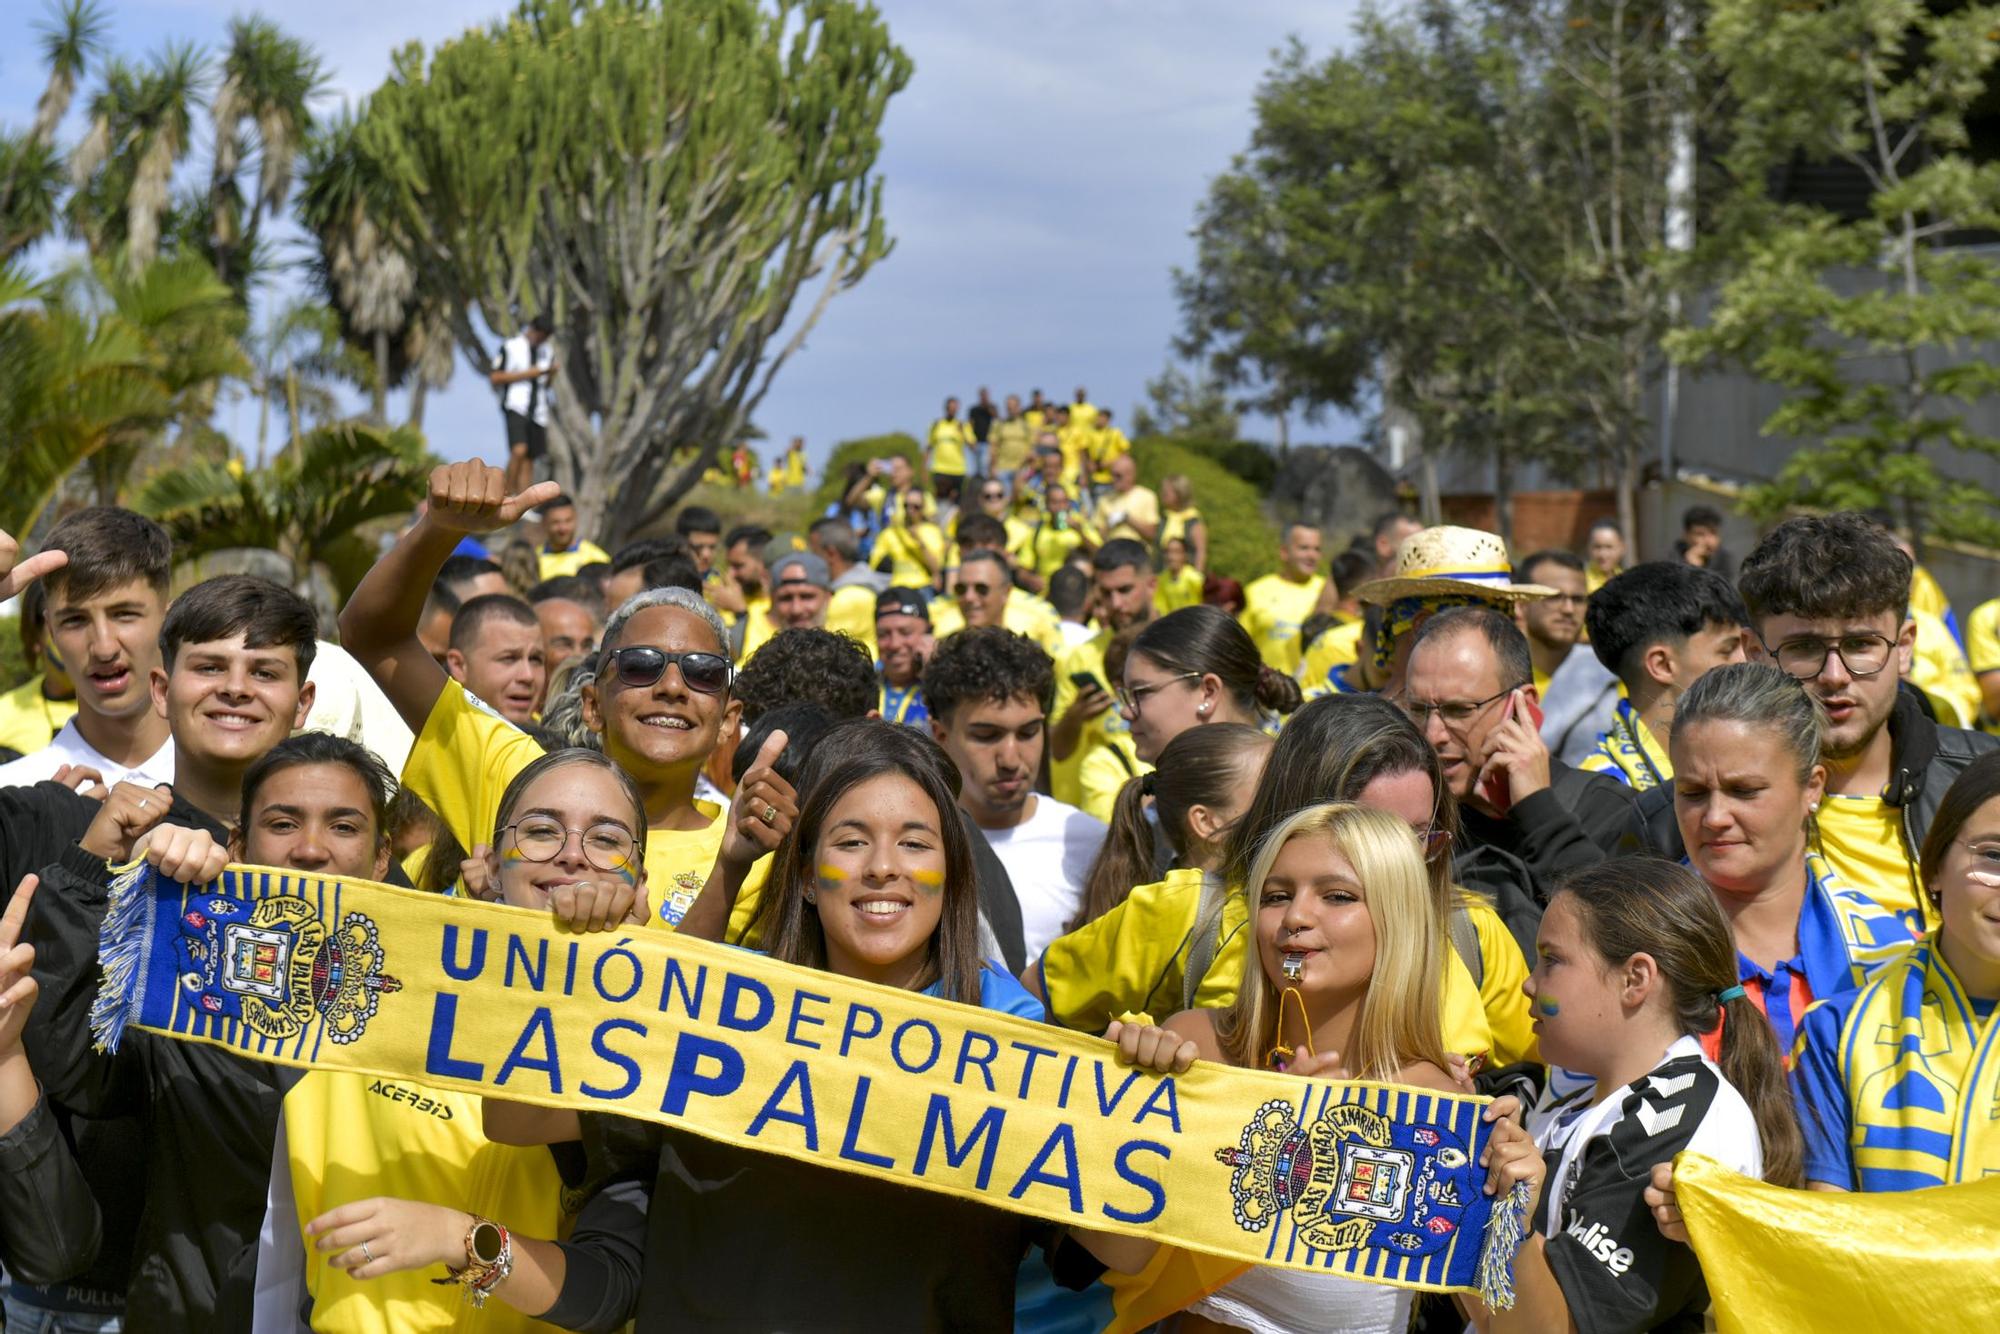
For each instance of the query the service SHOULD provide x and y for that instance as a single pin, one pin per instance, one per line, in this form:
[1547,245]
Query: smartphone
[1497,789]
[1085,681]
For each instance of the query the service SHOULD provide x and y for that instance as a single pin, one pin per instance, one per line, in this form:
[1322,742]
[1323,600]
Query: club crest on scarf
[1346,1182]
[274,965]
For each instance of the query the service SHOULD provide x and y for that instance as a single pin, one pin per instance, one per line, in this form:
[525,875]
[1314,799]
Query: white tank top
[1266,1300]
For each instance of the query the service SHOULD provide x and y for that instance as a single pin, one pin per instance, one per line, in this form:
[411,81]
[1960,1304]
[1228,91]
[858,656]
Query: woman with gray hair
[1747,782]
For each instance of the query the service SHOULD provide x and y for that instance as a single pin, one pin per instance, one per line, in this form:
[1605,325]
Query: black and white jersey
[1616,1270]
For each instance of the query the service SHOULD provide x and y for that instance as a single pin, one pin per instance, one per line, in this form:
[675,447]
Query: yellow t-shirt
[1139,505]
[1172,591]
[758,627]
[949,440]
[1176,523]
[466,755]
[28,719]
[851,611]
[1066,777]
[1982,637]
[1109,761]
[352,1137]
[902,546]
[1862,841]
[795,469]
[1503,969]
[1938,668]
[1274,608]
[1025,614]
[558,563]
[1336,646]
[1012,442]
[1926,595]
[1133,960]
[1049,544]
[1107,445]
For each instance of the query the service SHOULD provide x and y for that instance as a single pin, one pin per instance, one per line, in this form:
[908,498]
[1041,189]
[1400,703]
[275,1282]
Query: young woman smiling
[1745,744]
[874,882]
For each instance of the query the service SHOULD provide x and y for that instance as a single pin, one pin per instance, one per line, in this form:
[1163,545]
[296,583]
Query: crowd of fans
[1654,852]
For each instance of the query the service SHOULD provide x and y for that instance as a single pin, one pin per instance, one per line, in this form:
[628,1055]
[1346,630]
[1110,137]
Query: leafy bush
[860,451]
[13,666]
[1229,482]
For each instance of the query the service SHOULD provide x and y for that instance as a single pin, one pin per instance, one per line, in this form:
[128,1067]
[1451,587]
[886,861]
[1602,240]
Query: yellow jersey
[1050,543]
[1173,591]
[851,611]
[1274,610]
[758,627]
[466,755]
[1133,960]
[555,564]
[29,720]
[1861,839]
[1012,442]
[1926,595]
[1025,614]
[1336,646]
[1939,669]
[1181,524]
[1120,512]
[350,1137]
[950,439]
[905,547]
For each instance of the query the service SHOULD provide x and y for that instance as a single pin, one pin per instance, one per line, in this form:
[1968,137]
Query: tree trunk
[379,396]
[1430,505]
[1628,501]
[1503,494]
[418,392]
[263,416]
[292,406]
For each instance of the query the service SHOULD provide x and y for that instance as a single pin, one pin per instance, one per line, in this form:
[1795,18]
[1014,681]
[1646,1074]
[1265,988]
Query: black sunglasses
[639,667]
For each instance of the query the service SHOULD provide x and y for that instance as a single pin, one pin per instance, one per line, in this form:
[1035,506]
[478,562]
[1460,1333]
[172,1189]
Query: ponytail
[1644,905]
[1276,692]
[1202,766]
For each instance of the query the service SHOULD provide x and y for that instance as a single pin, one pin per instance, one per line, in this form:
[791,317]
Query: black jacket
[207,1119]
[1925,759]
[49,1224]
[1578,820]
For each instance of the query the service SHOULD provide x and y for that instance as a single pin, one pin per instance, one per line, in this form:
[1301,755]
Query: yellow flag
[1808,1261]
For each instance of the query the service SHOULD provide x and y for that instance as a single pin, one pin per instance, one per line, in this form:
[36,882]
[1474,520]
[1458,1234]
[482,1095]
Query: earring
[811,897]
[1202,710]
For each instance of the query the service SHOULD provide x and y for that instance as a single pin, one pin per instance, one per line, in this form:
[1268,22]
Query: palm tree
[297,360]
[268,80]
[307,506]
[362,267]
[140,124]
[30,163]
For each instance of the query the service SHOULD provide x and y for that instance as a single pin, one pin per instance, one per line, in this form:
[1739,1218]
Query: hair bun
[1146,783]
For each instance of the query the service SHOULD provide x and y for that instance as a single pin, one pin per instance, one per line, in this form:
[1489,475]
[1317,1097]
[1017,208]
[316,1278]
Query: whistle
[1295,966]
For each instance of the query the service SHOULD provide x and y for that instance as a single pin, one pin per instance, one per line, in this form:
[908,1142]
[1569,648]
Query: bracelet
[489,1254]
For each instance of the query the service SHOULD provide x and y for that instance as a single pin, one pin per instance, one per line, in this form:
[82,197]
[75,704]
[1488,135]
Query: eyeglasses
[1130,699]
[1431,838]
[994,495]
[639,667]
[960,589]
[1861,655]
[606,846]
[1454,713]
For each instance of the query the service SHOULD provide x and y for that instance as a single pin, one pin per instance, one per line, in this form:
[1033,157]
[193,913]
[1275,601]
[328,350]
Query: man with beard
[1122,586]
[1829,599]
[1578,695]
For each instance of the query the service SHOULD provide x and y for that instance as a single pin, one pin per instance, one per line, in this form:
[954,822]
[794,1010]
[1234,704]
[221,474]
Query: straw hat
[1451,562]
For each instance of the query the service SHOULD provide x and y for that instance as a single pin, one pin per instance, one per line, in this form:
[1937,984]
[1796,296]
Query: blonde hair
[1401,1019]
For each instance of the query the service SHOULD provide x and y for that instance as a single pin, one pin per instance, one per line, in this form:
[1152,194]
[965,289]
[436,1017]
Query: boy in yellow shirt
[1276,606]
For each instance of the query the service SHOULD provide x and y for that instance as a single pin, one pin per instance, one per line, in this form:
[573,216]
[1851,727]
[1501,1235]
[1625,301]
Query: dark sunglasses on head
[639,667]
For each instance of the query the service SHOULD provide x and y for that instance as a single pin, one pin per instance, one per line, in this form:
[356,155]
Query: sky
[1042,170]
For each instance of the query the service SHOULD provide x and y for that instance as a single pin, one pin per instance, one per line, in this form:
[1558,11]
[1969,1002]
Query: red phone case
[1498,789]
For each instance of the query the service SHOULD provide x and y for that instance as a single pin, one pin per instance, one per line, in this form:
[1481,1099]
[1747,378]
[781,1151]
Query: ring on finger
[769,814]
[367,1255]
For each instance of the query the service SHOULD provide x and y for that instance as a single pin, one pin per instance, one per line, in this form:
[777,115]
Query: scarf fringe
[123,947]
[1505,1232]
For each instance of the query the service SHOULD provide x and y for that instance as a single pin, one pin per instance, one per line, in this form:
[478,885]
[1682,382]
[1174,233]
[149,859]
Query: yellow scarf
[1819,1262]
[1370,1181]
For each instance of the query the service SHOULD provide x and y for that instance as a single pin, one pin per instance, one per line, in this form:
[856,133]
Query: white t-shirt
[530,398]
[348,703]
[1048,858]
[69,747]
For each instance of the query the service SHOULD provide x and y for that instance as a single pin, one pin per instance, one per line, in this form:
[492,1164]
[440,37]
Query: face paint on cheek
[1546,1007]
[831,878]
[930,880]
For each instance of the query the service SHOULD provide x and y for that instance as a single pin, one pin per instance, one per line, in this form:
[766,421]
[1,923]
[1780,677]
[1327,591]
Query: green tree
[308,505]
[660,180]
[1185,406]
[141,122]
[103,368]
[1879,325]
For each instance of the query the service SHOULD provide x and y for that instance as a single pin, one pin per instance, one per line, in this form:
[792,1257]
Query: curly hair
[1826,567]
[985,662]
[807,665]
